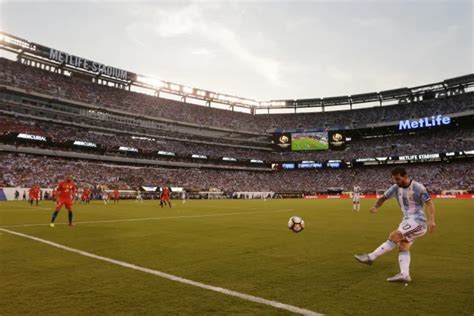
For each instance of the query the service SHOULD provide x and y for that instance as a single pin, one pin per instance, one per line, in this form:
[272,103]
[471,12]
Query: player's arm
[56,193]
[390,193]
[378,204]
[426,198]
[73,194]
[431,216]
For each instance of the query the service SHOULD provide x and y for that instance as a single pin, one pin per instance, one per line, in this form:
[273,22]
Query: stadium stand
[25,170]
[64,109]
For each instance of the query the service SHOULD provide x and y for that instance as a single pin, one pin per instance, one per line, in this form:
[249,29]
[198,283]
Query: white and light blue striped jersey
[410,199]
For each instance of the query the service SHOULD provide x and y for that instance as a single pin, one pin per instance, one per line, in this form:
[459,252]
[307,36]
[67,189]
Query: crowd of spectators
[59,86]
[25,170]
[435,141]
[20,170]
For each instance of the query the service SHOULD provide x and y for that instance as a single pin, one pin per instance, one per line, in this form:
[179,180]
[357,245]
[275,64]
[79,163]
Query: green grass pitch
[249,250]
[307,143]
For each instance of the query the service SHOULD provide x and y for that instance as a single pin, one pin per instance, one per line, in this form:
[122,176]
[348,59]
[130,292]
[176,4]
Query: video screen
[309,141]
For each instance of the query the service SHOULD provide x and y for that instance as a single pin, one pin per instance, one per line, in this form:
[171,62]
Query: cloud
[338,74]
[369,22]
[204,52]
[191,20]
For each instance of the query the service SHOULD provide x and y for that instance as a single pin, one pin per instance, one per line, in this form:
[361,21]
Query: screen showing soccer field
[309,141]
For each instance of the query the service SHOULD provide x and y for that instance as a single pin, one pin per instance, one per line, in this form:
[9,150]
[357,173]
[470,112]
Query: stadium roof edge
[73,63]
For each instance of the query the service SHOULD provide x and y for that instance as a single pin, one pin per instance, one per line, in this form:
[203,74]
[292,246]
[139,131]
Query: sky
[262,50]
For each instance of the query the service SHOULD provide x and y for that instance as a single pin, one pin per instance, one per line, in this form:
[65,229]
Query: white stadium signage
[123,148]
[433,121]
[86,64]
[86,144]
[33,137]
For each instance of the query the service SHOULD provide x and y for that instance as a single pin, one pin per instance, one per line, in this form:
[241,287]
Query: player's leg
[410,230]
[169,202]
[404,263]
[69,213]
[393,239]
[404,257]
[358,205]
[59,205]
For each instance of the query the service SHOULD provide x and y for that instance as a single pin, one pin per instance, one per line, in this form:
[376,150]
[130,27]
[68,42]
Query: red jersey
[165,192]
[86,193]
[65,190]
[34,192]
[116,194]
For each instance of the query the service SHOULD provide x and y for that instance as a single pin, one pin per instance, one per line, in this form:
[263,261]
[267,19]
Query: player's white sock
[404,261]
[382,249]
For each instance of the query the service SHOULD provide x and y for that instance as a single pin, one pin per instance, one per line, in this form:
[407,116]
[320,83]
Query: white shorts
[411,229]
[356,198]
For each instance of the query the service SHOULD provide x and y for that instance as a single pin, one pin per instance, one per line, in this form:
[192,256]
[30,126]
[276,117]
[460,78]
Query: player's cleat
[71,225]
[51,225]
[364,258]
[399,278]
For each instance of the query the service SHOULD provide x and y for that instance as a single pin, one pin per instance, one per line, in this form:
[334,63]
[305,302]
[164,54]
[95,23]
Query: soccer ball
[296,224]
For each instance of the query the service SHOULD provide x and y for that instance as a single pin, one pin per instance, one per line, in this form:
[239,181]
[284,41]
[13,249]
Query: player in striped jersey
[411,197]
[356,199]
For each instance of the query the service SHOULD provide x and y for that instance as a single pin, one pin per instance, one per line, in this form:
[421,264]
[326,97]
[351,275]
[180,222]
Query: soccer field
[242,246]
[308,143]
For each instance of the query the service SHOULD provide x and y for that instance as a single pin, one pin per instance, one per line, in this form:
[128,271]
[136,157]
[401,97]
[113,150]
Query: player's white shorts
[356,198]
[411,229]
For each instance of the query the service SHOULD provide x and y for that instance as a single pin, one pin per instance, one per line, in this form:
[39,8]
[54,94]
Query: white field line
[149,218]
[172,277]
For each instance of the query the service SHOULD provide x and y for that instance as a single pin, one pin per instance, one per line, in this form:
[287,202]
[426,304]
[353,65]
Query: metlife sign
[86,64]
[433,121]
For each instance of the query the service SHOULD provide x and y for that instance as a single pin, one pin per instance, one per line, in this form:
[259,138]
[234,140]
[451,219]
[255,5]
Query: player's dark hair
[399,171]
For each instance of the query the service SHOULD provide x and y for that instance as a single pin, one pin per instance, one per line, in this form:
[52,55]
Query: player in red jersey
[86,195]
[116,196]
[33,194]
[165,196]
[65,192]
